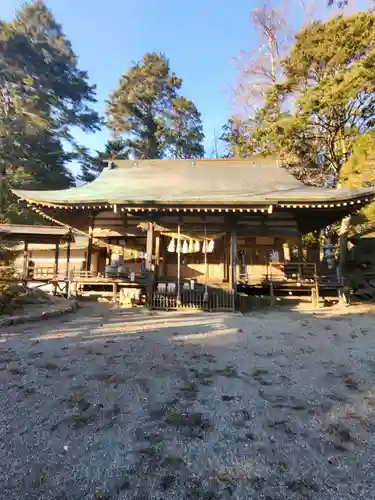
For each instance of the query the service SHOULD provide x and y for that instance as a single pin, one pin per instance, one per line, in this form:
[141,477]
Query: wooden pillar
[300,249]
[205,296]
[89,247]
[165,253]
[161,257]
[157,250]
[67,260]
[57,252]
[25,263]
[226,258]
[108,255]
[233,259]
[178,265]
[149,264]
[114,292]
[56,267]
[150,246]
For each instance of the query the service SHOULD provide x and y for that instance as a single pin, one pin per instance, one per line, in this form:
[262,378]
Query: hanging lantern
[211,246]
[178,246]
[191,246]
[197,246]
[172,246]
[204,247]
[185,247]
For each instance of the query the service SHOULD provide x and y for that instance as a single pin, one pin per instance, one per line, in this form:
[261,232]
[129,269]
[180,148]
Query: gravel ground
[117,404]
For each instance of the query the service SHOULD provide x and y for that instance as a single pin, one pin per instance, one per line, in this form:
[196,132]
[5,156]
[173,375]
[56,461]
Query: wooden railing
[276,272]
[42,272]
[302,272]
[95,276]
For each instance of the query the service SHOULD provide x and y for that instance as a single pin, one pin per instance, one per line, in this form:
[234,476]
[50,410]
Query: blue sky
[200,37]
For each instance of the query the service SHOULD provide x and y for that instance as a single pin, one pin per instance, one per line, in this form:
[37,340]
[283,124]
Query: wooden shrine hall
[189,232]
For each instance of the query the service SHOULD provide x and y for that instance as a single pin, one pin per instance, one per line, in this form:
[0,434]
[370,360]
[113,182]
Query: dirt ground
[112,404]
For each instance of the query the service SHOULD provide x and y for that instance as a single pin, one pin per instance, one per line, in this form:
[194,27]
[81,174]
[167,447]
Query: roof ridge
[206,162]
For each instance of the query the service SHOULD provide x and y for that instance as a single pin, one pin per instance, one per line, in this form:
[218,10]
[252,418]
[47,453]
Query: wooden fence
[214,299]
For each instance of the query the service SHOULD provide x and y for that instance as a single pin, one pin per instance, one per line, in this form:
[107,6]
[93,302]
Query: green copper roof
[187,182]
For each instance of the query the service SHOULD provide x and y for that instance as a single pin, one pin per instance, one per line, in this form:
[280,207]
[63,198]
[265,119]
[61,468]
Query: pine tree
[147,110]
[43,94]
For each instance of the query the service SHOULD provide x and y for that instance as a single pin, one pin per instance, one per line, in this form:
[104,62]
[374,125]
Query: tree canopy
[147,110]
[43,94]
[321,103]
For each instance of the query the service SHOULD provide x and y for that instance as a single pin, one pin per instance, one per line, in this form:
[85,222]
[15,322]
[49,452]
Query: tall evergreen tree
[148,111]
[43,94]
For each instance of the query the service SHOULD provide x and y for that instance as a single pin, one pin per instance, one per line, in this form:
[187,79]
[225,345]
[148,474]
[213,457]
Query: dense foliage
[147,110]
[321,104]
[43,94]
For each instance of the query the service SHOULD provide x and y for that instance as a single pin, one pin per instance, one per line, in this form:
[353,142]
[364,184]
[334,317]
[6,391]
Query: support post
[67,260]
[300,248]
[205,297]
[226,259]
[157,251]
[233,260]
[149,246]
[161,257]
[56,267]
[272,294]
[316,283]
[178,265]
[148,264]
[25,263]
[114,292]
[89,247]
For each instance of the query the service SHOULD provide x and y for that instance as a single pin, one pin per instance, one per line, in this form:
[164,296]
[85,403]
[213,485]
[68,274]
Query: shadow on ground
[111,403]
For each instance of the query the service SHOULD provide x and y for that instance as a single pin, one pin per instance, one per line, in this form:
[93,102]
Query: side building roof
[192,183]
[36,233]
